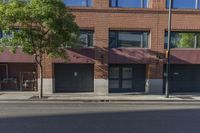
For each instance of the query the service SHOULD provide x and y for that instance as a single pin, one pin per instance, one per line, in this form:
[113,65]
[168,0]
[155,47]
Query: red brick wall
[101,18]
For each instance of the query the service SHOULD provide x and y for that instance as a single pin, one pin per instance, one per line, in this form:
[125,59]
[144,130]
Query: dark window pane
[78,2]
[113,39]
[129,3]
[114,84]
[128,39]
[126,84]
[113,3]
[114,72]
[187,4]
[198,40]
[166,40]
[86,39]
[145,40]
[126,72]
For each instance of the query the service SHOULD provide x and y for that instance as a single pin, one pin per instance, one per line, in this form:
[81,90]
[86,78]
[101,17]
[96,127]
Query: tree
[39,27]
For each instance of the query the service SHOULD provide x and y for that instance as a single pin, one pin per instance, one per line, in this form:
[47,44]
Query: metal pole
[197,4]
[168,51]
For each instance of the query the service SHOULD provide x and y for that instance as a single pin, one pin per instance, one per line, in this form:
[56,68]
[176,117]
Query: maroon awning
[8,57]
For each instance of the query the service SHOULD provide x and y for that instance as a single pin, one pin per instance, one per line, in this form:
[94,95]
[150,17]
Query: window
[184,4]
[128,39]
[129,3]
[86,39]
[183,40]
[127,77]
[120,77]
[86,3]
[114,76]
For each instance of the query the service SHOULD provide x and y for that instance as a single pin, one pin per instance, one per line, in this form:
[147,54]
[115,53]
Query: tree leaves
[44,26]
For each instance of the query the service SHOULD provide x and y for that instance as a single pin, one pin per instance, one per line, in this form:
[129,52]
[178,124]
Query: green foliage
[187,40]
[37,26]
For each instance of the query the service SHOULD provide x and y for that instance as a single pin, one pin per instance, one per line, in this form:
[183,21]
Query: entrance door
[184,78]
[126,78]
[74,77]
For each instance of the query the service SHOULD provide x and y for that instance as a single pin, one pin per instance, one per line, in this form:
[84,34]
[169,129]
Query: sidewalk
[87,97]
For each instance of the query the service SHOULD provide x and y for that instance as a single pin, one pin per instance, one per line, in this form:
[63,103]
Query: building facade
[124,44]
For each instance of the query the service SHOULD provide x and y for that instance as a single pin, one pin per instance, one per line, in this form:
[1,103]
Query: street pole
[168,50]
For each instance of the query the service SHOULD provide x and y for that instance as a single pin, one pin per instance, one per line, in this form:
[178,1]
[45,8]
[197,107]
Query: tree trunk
[38,59]
[41,81]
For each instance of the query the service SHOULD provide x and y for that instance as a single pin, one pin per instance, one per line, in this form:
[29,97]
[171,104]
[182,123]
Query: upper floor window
[86,39]
[86,3]
[183,40]
[136,39]
[129,3]
[184,4]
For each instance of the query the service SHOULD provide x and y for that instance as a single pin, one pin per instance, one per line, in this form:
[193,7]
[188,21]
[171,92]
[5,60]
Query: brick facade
[101,18]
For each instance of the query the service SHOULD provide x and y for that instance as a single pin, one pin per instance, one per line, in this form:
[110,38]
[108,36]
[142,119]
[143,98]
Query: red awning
[20,57]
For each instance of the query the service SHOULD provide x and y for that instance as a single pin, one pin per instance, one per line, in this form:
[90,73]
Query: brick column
[154,70]
[48,75]
[101,55]
[158,4]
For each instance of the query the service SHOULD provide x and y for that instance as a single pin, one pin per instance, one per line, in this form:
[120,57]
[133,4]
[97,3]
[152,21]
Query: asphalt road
[99,118]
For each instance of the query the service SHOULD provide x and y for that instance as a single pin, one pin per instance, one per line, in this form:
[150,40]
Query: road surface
[99,118]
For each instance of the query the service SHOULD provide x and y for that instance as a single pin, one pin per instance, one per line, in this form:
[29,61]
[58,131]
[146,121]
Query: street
[63,117]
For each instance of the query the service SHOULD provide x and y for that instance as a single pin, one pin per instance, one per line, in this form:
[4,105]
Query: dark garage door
[74,78]
[126,78]
[184,78]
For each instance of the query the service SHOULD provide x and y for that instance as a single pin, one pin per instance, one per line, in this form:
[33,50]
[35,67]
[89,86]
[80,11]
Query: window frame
[142,46]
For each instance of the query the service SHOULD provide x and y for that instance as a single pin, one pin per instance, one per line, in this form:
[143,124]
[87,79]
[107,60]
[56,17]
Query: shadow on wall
[140,56]
[155,121]
[113,55]
[102,57]
[85,55]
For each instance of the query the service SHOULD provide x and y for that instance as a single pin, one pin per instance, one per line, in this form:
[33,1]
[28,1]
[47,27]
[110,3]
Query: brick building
[123,50]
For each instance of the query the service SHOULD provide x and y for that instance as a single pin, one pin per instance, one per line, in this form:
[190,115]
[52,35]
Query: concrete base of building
[154,86]
[101,86]
[47,85]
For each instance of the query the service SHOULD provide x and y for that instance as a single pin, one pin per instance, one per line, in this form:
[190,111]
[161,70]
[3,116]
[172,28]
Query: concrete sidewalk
[88,97]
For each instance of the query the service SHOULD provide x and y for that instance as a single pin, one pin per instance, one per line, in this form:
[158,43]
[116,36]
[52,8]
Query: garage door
[184,78]
[74,78]
[126,78]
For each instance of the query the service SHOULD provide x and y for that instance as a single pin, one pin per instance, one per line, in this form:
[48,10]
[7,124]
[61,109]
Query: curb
[97,101]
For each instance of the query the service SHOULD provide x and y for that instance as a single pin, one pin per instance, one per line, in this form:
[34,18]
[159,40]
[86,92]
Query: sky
[183,3]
